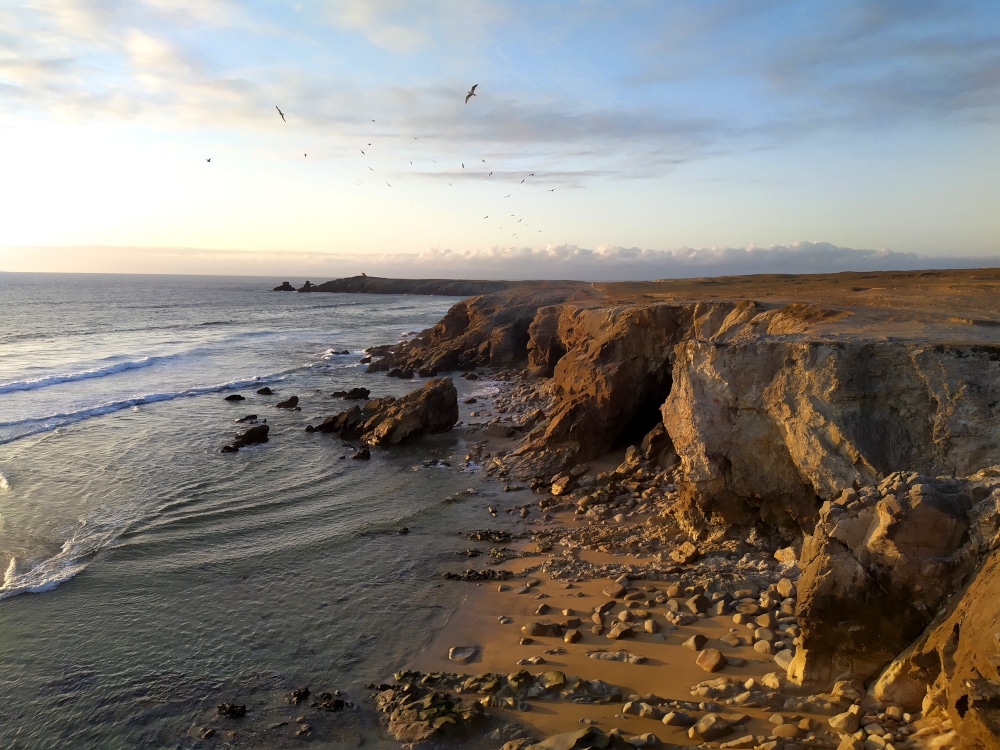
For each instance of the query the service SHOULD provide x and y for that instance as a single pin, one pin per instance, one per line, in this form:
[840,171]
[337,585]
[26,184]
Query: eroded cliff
[850,419]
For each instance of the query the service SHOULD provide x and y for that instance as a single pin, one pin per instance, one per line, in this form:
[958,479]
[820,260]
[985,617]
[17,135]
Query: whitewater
[147,577]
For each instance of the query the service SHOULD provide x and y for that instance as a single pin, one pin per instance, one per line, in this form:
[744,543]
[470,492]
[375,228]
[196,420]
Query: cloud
[603,263]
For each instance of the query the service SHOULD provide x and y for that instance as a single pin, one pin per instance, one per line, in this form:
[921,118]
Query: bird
[531,174]
[362,152]
[487,216]
[371,168]
[472,92]
[209,159]
[483,161]
[507,196]
[552,190]
[522,182]
[490,174]
[280,113]
[463,165]
[305,154]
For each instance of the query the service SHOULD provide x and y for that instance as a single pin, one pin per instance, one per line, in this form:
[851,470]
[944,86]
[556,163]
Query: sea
[147,577]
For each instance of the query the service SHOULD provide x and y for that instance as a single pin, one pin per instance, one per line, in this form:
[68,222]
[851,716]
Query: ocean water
[148,577]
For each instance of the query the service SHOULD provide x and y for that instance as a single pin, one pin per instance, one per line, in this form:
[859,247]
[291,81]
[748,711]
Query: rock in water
[254,435]
[432,408]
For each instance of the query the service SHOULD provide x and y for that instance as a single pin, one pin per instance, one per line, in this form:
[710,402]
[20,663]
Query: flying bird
[507,196]
[490,174]
[472,92]
[209,159]
[463,165]
[280,113]
[362,152]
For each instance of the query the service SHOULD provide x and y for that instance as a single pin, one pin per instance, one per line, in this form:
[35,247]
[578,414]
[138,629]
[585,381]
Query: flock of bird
[471,93]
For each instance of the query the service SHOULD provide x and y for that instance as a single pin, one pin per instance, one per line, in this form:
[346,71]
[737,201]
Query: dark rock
[288,403]
[432,408]
[232,710]
[247,418]
[284,287]
[253,436]
[479,575]
[298,695]
[235,397]
[265,391]
[307,287]
[354,394]
[363,454]
[332,702]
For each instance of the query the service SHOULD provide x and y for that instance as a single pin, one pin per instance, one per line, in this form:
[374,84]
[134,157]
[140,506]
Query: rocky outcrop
[284,286]
[879,564]
[768,416]
[488,330]
[432,408]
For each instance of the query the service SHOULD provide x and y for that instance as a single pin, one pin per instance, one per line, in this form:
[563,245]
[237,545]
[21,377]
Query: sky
[606,140]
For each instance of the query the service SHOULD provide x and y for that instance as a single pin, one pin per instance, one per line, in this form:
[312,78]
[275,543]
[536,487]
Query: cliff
[774,396]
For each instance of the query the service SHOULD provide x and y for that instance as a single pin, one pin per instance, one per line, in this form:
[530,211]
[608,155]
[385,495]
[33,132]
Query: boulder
[252,436]
[710,659]
[235,397]
[874,571]
[289,403]
[709,727]
[284,286]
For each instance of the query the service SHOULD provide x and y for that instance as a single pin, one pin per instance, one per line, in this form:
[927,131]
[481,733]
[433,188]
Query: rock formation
[855,415]
[431,408]
[486,330]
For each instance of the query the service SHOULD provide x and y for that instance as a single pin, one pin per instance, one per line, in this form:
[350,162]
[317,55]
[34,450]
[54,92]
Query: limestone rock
[860,606]
[711,659]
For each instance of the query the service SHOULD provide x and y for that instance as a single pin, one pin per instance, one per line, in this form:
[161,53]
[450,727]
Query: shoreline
[551,582]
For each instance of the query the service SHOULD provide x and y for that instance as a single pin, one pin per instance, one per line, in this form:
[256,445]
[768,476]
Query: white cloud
[604,263]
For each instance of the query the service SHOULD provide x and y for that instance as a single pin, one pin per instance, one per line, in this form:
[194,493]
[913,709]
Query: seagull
[362,152]
[522,182]
[209,159]
[463,165]
[552,190]
[507,196]
[490,174]
[280,113]
[472,92]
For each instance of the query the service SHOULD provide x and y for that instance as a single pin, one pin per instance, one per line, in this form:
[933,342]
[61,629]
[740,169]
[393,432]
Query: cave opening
[645,412]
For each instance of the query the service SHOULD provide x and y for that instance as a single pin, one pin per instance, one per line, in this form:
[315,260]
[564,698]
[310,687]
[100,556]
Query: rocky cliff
[850,414]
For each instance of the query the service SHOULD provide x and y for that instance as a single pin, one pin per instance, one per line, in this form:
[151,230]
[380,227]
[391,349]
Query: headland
[765,514]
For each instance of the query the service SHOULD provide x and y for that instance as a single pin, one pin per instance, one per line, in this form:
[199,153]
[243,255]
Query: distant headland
[375,285]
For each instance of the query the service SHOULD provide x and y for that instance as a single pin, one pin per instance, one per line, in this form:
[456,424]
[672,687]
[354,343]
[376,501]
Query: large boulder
[877,567]
[953,669]
[432,408]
